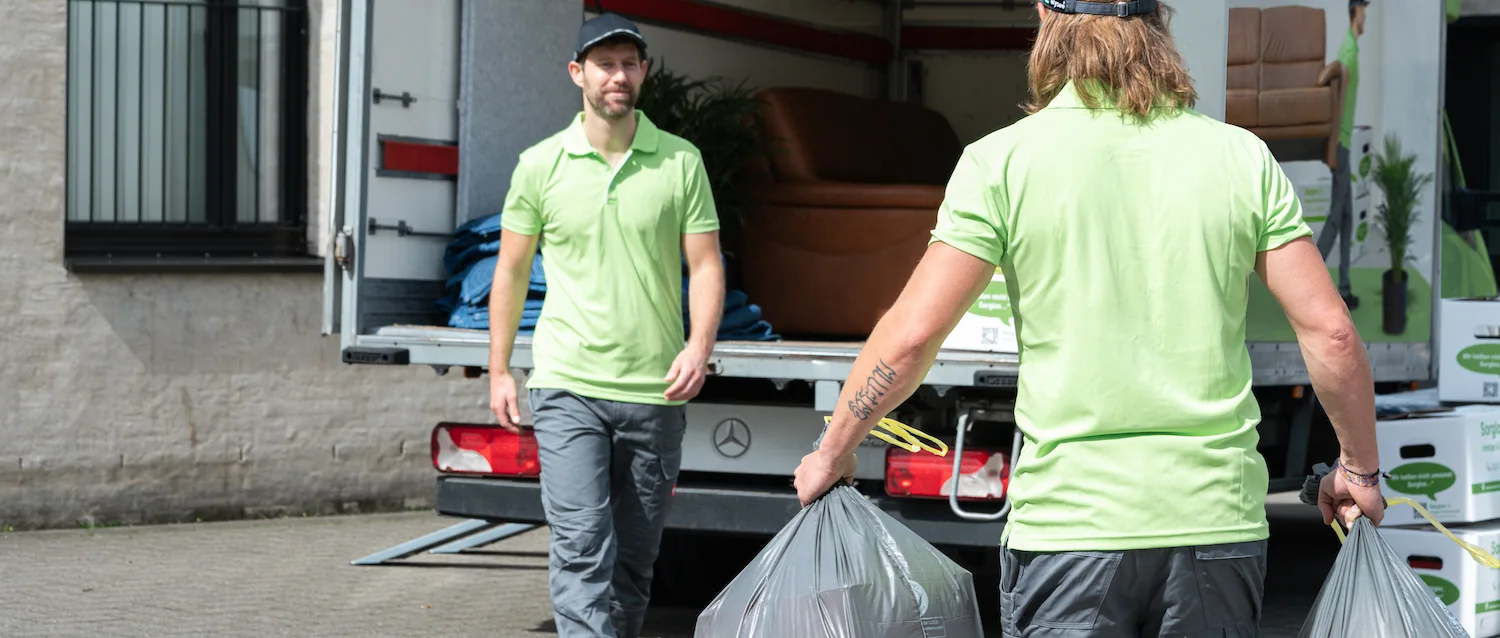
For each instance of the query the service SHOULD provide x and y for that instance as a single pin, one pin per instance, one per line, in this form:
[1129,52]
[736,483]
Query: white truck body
[489,77]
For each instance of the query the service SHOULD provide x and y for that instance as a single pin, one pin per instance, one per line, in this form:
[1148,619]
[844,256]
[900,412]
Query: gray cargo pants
[1176,592]
[608,469]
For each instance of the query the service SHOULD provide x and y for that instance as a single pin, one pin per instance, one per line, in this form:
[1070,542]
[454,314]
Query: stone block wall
[155,397]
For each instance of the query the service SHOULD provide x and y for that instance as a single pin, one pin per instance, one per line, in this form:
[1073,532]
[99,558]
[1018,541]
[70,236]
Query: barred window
[186,128]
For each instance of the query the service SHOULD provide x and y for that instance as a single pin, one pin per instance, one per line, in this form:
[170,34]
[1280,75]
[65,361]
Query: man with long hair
[1127,226]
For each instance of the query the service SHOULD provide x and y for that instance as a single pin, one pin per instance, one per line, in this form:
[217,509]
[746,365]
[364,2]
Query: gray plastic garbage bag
[1371,593]
[843,568]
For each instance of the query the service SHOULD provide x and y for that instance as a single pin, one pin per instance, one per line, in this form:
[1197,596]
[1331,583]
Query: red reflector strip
[984,475]
[484,450]
[413,156]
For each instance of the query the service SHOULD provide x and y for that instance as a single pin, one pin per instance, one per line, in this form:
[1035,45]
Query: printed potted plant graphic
[1396,217]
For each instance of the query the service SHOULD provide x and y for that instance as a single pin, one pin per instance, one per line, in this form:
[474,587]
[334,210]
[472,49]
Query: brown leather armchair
[837,222]
[1279,86]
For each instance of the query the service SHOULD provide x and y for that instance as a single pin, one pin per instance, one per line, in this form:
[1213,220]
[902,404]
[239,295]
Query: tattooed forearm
[876,386]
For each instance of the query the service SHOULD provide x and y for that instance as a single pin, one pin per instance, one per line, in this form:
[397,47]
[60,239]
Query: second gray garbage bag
[843,568]
[1371,593]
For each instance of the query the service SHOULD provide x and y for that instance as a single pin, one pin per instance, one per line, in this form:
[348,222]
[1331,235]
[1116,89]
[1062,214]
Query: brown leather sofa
[1279,86]
[842,211]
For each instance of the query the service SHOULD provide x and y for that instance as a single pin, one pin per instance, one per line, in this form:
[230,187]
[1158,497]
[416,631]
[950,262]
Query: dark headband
[1118,9]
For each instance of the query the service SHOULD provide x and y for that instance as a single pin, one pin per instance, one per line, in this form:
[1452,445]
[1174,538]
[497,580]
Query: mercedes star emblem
[732,438]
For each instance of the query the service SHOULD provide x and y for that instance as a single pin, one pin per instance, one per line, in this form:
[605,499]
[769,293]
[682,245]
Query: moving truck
[437,98]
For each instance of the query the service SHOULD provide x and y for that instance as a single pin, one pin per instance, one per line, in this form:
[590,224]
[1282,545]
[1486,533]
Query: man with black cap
[1340,224]
[1127,226]
[617,204]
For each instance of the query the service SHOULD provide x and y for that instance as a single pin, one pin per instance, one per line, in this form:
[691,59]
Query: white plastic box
[989,324]
[1471,590]
[1313,183]
[1449,462]
[1469,351]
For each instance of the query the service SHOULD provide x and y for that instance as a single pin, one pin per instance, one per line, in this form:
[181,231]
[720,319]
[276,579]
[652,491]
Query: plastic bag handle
[1480,556]
[908,436]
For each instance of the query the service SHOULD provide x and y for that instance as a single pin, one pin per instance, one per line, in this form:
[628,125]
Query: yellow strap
[1480,556]
[908,436]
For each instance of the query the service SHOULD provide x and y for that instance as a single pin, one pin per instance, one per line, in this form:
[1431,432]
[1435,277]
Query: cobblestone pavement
[292,577]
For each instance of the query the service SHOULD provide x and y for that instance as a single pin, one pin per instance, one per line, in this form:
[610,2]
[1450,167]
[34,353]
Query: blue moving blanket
[741,320]
[470,261]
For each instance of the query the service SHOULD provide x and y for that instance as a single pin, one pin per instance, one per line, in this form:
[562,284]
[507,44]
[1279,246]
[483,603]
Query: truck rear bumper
[755,511]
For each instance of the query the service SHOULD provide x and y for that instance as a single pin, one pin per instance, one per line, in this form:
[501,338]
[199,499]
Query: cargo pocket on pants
[1231,582]
[1062,590]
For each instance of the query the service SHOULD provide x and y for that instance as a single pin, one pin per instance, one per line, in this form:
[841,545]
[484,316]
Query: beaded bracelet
[1363,480]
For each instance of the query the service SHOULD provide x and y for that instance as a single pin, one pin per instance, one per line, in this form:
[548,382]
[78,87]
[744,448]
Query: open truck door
[424,88]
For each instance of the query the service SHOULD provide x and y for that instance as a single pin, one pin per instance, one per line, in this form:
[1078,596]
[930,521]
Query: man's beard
[610,111]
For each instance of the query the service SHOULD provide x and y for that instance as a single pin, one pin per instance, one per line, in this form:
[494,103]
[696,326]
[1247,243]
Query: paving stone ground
[292,577]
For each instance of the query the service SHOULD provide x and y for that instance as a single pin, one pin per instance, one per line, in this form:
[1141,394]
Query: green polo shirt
[1349,56]
[1127,253]
[611,323]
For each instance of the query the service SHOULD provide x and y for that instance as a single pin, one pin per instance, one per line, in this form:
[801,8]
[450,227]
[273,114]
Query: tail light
[484,449]
[984,475]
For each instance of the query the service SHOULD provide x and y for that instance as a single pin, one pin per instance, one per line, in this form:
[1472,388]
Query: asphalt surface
[293,577]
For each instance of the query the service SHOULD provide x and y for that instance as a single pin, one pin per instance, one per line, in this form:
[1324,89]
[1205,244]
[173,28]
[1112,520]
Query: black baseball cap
[607,25]
[1119,9]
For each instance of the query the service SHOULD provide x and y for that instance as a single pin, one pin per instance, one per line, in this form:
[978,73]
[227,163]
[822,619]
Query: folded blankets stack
[470,262]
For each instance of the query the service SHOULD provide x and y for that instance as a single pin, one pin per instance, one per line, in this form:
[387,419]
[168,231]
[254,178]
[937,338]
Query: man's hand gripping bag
[844,569]
[1371,593]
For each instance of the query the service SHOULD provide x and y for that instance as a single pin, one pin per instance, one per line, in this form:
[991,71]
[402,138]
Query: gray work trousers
[608,469]
[1176,592]
[1340,222]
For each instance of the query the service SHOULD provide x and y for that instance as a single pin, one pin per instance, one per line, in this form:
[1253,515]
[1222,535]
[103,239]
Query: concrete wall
[172,397]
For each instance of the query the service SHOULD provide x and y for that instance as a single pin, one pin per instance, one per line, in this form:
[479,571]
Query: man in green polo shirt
[1340,224]
[616,205]
[1127,226]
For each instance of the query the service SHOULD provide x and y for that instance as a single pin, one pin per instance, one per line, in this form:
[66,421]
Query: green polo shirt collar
[1068,97]
[647,136]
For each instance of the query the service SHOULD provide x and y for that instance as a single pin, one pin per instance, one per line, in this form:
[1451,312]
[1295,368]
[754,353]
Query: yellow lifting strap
[908,434]
[1480,556]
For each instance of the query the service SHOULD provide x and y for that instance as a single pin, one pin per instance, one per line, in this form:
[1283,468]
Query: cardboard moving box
[988,325]
[1313,182]
[1449,462]
[1469,351]
[1471,590]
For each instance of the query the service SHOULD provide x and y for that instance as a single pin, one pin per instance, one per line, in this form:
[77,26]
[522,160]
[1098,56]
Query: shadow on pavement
[425,565]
